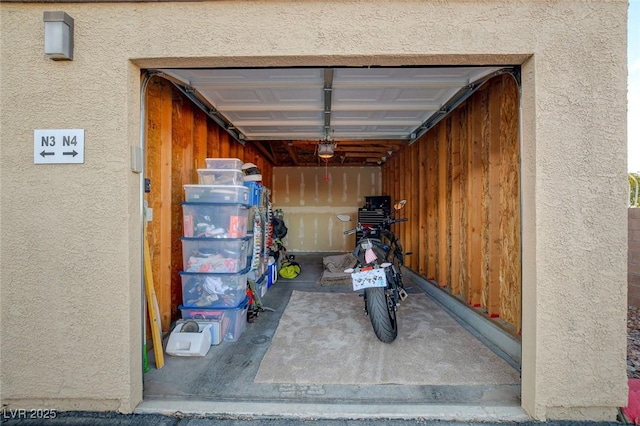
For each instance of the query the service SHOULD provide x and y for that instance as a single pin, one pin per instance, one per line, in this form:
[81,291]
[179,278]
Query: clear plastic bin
[202,290]
[261,287]
[215,255]
[215,220]
[234,320]
[216,194]
[220,177]
[224,163]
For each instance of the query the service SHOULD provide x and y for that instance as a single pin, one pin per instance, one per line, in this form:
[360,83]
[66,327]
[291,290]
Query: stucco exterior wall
[70,255]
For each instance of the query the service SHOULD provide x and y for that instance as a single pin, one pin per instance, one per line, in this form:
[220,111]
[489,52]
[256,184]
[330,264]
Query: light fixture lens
[58,35]
[325,150]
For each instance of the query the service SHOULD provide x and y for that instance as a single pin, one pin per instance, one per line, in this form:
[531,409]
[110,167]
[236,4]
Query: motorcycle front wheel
[381,314]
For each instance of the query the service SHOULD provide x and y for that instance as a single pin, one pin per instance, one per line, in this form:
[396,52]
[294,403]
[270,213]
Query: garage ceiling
[367,112]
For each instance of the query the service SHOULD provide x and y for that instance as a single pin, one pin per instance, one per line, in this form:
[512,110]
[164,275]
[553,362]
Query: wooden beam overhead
[358,154]
[381,143]
[264,152]
[374,149]
[292,153]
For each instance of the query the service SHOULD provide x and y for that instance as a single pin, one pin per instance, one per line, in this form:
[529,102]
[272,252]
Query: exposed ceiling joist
[293,154]
[264,152]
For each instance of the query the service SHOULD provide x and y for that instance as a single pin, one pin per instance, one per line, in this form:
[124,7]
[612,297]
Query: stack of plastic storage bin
[216,249]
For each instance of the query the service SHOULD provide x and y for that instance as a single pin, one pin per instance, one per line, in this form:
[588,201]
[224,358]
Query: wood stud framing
[461,180]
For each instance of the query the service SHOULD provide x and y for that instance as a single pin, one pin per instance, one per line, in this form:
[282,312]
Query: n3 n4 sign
[54,146]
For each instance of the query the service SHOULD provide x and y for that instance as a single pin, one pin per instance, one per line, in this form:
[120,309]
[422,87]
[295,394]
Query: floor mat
[327,339]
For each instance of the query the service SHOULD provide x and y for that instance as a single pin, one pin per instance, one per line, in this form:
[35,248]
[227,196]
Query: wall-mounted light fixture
[58,36]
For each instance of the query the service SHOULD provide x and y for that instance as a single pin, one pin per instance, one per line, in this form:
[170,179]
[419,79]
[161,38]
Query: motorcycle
[377,273]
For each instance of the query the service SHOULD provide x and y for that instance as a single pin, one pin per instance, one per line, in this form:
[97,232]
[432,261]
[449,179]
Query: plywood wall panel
[199,140]
[310,204]
[224,149]
[444,154]
[494,234]
[432,205]
[467,191]
[456,219]
[397,187]
[485,128]
[158,170]
[464,206]
[423,215]
[475,203]
[213,141]
[400,229]
[510,259]
[181,173]
[414,218]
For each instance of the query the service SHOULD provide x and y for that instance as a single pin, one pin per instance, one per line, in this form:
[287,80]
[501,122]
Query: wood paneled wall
[179,136]
[462,183]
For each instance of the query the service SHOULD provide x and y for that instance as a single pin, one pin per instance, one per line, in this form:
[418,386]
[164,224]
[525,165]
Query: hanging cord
[326,170]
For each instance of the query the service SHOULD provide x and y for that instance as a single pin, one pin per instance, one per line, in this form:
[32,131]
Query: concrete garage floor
[222,382]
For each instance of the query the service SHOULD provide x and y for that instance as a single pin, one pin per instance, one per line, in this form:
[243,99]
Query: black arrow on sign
[74,153]
[45,153]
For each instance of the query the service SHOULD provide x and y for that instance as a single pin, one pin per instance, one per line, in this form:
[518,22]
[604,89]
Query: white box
[189,344]
[216,328]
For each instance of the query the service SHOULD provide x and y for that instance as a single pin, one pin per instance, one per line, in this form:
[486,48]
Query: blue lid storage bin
[204,290]
[234,320]
[215,220]
[217,255]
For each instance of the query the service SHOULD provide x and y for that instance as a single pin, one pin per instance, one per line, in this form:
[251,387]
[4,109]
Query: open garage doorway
[444,138]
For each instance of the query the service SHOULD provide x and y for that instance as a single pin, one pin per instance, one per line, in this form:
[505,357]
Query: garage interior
[444,138]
